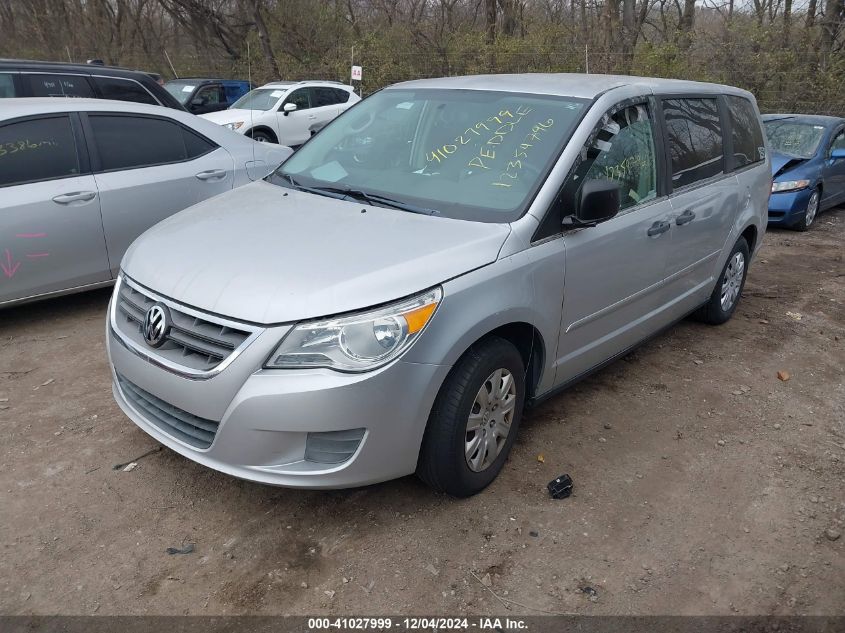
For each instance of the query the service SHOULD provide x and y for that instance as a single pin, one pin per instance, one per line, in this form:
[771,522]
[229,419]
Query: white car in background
[286,112]
[80,179]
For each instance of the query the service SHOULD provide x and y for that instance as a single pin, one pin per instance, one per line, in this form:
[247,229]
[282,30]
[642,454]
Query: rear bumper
[787,208]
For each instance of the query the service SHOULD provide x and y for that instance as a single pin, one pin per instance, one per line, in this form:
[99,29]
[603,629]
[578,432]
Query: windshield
[794,138]
[260,99]
[469,154]
[180,89]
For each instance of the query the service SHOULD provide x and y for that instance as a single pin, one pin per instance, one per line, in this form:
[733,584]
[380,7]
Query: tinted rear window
[196,145]
[56,85]
[123,90]
[695,139]
[38,149]
[126,142]
[748,146]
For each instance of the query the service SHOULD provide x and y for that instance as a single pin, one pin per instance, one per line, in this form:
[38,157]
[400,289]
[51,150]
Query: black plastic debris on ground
[561,487]
[185,549]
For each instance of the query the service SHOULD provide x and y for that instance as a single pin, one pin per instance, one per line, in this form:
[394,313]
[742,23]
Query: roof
[567,84]
[813,119]
[279,84]
[28,64]
[17,107]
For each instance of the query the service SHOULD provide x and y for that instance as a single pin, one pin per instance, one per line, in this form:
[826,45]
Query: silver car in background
[449,250]
[80,179]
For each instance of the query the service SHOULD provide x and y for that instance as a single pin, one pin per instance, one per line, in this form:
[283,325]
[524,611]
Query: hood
[782,163]
[229,116]
[256,254]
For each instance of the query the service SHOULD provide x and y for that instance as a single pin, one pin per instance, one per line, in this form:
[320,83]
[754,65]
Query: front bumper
[788,207]
[265,416]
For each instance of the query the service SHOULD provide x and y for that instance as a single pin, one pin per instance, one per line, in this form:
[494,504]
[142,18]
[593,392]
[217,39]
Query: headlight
[789,185]
[359,342]
[234,126]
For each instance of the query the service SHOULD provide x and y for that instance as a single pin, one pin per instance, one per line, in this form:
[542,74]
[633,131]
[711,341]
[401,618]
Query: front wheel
[262,137]
[810,213]
[725,297]
[474,420]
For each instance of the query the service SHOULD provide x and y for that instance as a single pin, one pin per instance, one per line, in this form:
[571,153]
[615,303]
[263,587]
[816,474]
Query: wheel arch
[262,128]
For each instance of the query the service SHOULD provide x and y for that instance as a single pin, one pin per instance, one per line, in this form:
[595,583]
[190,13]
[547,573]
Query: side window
[123,90]
[341,96]
[695,139]
[300,98]
[196,145]
[621,149]
[322,97]
[38,149]
[838,141]
[127,142]
[57,85]
[211,95]
[748,146]
[7,86]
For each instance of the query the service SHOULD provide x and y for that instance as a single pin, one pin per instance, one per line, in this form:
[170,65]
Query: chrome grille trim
[199,345]
[181,425]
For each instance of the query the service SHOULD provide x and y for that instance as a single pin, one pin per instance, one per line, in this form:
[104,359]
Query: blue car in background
[808,167]
[202,96]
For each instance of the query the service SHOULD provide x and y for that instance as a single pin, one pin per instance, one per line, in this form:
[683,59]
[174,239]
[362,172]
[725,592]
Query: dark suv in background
[21,78]
[201,96]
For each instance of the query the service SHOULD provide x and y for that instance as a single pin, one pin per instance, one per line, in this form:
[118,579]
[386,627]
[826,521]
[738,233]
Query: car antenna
[249,79]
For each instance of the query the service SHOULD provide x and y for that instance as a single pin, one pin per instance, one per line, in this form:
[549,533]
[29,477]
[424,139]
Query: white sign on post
[356,73]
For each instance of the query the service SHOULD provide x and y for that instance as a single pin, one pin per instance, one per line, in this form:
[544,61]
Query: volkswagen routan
[438,258]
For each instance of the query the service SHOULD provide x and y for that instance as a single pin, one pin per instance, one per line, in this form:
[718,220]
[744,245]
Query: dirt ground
[703,484]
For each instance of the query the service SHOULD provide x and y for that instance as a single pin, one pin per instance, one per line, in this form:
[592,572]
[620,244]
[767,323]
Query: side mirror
[838,153]
[198,102]
[600,201]
[288,108]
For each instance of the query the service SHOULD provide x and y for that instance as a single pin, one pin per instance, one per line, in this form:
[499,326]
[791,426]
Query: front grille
[197,343]
[191,429]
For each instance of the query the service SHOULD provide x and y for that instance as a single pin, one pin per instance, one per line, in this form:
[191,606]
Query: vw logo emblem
[156,325]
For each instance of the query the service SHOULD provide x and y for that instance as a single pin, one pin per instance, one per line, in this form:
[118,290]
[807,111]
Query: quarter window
[127,142]
[57,85]
[123,90]
[196,145]
[621,149]
[695,139]
[38,149]
[748,146]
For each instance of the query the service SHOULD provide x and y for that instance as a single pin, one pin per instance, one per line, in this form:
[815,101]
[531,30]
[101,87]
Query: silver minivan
[440,256]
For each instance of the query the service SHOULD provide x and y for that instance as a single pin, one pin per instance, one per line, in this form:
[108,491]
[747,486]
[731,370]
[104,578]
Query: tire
[444,463]
[262,137]
[730,282]
[810,213]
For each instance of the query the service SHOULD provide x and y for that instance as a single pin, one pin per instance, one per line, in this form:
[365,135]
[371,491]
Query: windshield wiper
[357,194]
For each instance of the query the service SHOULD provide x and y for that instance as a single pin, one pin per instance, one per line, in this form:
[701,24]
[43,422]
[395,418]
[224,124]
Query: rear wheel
[474,420]
[810,213]
[725,297]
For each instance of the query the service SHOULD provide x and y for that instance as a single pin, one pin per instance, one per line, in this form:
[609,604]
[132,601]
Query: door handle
[658,227]
[685,218]
[212,174]
[76,196]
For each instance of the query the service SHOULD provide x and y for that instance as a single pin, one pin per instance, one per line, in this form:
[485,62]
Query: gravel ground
[704,484]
